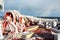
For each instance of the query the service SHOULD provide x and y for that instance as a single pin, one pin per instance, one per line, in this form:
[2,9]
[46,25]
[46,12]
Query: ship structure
[15,26]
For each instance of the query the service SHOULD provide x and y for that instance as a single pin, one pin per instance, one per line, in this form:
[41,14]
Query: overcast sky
[34,7]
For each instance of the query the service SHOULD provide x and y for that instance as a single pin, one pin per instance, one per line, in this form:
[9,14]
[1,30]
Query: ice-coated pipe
[1,34]
[11,14]
[55,30]
[16,29]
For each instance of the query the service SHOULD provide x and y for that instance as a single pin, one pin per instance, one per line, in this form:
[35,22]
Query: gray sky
[34,7]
